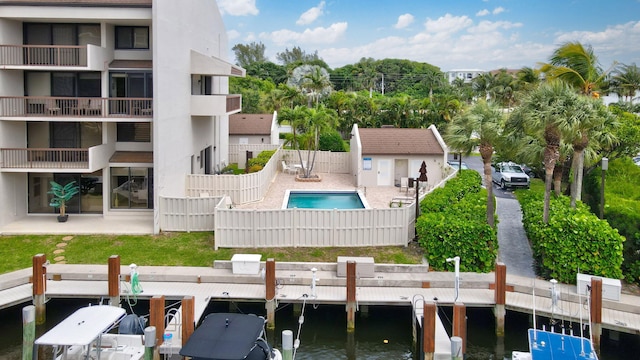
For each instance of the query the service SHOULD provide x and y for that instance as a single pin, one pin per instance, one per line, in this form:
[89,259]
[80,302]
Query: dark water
[383,333]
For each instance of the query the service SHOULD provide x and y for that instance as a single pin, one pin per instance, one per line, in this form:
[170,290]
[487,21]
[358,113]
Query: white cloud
[238,7]
[311,15]
[404,21]
[498,10]
[319,35]
[483,12]
[491,26]
[447,24]
[233,34]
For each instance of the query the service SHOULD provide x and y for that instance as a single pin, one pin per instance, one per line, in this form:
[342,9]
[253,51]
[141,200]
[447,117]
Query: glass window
[131,188]
[134,132]
[132,37]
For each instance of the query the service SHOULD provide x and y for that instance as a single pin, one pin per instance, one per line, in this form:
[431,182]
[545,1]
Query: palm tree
[578,66]
[547,112]
[626,81]
[316,82]
[528,78]
[480,126]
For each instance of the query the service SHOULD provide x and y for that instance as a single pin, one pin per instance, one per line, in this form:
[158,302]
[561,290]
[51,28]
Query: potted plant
[62,194]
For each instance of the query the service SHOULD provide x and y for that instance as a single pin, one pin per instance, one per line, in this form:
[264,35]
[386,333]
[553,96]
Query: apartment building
[126,97]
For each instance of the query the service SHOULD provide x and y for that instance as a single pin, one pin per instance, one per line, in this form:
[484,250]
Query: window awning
[208,65]
[131,64]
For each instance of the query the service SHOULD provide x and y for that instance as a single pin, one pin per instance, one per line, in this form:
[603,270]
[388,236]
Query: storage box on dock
[610,287]
[364,266]
[246,264]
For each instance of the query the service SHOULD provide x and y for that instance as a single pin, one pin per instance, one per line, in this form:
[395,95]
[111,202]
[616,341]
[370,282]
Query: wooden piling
[596,312]
[351,295]
[500,296]
[188,318]
[429,330]
[270,293]
[156,316]
[149,342]
[114,280]
[39,286]
[460,324]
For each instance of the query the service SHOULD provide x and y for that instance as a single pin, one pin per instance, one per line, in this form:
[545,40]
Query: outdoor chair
[288,169]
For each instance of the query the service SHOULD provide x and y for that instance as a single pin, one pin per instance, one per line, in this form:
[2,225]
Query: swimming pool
[324,199]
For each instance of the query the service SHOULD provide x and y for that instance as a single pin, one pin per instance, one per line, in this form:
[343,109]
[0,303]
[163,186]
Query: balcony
[213,105]
[30,107]
[60,160]
[87,57]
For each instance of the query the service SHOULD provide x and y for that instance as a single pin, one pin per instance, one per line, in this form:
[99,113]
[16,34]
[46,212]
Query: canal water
[383,333]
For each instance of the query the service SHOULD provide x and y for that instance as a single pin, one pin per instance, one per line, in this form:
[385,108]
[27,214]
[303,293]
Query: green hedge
[453,223]
[573,240]
[259,162]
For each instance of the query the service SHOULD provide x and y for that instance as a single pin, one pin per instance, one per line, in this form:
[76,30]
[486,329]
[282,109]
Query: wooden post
[500,297]
[156,316]
[188,318]
[429,330]
[596,312]
[39,286]
[114,280]
[270,293]
[351,295]
[28,331]
[460,324]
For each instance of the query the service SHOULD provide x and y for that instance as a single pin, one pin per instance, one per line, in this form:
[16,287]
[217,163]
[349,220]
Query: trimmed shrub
[331,141]
[454,224]
[573,240]
[262,159]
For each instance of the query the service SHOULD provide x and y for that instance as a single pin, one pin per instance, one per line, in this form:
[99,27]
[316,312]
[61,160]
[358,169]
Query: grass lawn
[174,249]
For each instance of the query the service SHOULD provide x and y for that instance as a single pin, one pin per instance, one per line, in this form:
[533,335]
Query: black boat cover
[224,336]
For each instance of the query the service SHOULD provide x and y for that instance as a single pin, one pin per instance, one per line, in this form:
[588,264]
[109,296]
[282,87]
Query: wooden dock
[393,285]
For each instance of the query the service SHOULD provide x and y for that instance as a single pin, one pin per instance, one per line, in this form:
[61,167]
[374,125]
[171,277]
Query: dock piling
[351,295]
[188,318]
[149,342]
[500,296]
[28,331]
[114,280]
[287,345]
[596,312]
[429,330]
[270,293]
[460,325]
[156,316]
[39,287]
[456,348]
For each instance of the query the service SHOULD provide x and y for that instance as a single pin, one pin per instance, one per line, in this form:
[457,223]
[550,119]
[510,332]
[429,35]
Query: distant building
[465,74]
[254,129]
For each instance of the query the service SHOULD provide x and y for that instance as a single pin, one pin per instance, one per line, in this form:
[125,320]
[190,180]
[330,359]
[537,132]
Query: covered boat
[230,336]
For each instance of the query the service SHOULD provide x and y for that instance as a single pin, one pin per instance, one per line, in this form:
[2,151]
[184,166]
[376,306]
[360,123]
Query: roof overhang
[209,65]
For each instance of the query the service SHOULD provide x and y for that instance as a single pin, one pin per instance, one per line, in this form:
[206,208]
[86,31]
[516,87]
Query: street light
[605,167]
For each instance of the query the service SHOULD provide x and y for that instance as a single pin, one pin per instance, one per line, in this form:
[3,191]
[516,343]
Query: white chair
[288,169]
[404,184]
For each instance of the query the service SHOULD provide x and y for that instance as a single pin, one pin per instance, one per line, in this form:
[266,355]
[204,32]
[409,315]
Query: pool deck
[378,197]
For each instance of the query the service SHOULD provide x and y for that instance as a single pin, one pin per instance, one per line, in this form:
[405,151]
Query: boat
[230,336]
[85,335]
[547,344]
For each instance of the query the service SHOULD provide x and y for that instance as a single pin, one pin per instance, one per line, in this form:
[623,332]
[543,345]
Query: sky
[450,34]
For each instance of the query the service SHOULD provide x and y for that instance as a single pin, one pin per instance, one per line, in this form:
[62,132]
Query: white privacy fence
[314,227]
[189,213]
[325,162]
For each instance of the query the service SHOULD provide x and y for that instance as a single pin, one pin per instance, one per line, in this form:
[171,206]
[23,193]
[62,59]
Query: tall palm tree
[578,66]
[626,81]
[548,113]
[316,82]
[479,126]
[320,120]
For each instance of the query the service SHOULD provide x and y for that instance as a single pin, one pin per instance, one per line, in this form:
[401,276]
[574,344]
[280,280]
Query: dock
[395,285]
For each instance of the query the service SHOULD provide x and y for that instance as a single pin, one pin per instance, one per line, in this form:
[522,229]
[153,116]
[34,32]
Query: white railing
[188,213]
[313,227]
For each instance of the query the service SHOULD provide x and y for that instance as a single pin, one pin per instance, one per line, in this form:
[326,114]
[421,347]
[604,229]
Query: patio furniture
[289,169]
[404,184]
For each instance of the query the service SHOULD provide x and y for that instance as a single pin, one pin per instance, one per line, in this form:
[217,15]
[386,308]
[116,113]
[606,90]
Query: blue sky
[450,34]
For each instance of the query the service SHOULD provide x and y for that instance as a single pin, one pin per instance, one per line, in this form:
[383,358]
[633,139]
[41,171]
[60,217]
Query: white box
[364,266]
[246,264]
[610,287]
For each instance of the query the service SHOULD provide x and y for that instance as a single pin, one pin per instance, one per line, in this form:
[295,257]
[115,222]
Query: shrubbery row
[573,240]
[453,223]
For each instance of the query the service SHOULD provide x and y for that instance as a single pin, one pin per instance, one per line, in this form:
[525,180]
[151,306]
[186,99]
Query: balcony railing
[45,158]
[33,106]
[215,104]
[43,55]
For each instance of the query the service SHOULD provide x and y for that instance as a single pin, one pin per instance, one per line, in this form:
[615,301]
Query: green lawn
[174,249]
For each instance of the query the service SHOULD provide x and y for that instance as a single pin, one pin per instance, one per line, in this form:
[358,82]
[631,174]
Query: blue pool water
[324,200]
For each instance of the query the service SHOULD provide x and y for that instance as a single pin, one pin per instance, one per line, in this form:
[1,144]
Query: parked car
[456,164]
[636,160]
[509,175]
[528,170]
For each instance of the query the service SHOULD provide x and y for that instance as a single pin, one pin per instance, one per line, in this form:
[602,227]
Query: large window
[131,188]
[132,37]
[88,201]
[134,132]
